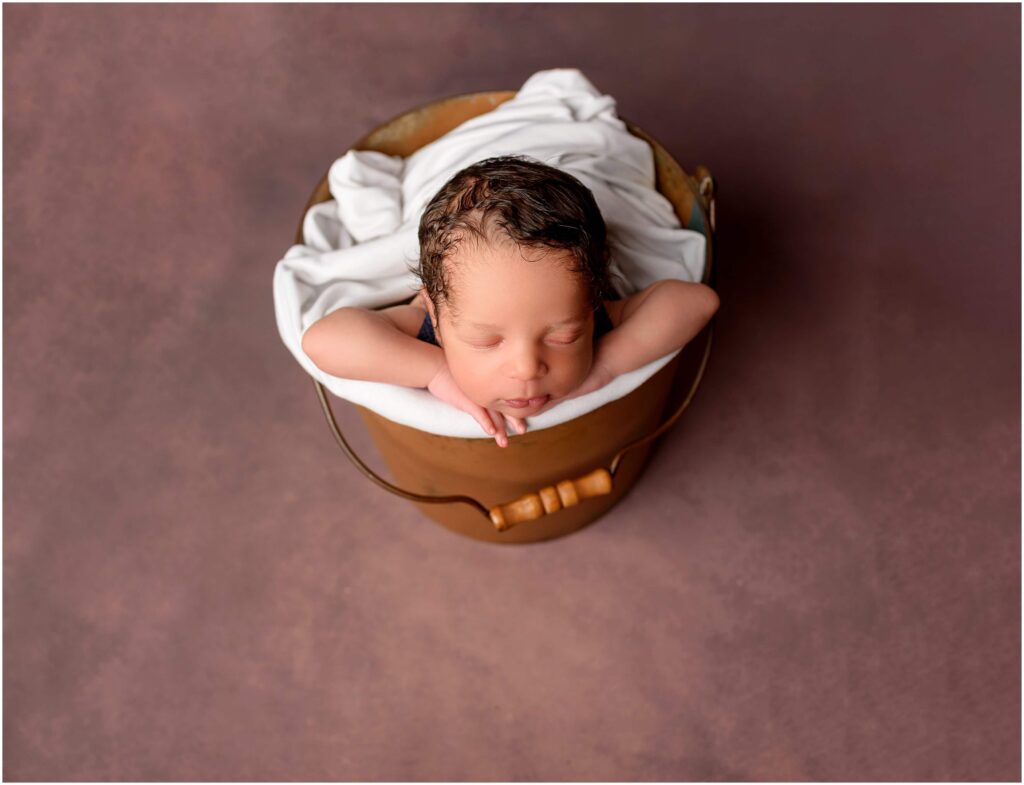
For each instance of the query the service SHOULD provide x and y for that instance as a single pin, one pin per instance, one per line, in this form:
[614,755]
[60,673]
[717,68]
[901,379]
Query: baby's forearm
[356,343]
[668,318]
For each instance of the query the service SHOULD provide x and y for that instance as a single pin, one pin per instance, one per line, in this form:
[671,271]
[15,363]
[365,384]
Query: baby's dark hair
[533,204]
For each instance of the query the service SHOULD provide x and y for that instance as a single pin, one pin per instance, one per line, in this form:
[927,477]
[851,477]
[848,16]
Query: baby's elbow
[313,345]
[712,301]
[693,296]
[307,341]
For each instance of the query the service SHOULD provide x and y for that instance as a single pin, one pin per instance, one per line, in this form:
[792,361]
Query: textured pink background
[818,576]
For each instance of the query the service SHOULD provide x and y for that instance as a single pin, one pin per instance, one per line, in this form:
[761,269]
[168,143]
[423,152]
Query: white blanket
[358,244]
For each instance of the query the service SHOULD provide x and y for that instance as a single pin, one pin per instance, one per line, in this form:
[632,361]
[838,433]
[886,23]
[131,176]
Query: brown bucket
[554,481]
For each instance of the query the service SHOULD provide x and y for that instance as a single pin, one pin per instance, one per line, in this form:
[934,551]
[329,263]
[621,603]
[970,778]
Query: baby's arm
[381,346]
[655,321]
[356,343]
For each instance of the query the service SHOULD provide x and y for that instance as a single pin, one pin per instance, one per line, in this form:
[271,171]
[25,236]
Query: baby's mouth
[527,403]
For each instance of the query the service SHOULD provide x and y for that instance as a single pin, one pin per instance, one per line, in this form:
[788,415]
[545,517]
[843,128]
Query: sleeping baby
[516,311]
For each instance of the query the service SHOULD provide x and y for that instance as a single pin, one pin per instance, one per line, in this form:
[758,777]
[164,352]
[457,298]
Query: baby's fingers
[519,424]
[499,420]
[483,417]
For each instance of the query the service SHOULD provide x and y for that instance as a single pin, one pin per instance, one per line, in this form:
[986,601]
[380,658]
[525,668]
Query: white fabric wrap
[358,245]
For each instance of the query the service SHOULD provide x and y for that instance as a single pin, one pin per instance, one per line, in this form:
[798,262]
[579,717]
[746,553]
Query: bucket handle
[566,493]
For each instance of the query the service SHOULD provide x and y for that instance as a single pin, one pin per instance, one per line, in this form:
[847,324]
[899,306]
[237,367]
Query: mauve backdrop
[818,575]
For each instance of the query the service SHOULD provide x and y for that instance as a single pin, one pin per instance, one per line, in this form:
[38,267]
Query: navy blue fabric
[427,331]
[602,325]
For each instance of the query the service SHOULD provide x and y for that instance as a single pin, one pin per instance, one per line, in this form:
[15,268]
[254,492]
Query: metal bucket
[554,481]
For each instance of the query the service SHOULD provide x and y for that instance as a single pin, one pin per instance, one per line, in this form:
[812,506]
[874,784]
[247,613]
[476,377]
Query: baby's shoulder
[408,318]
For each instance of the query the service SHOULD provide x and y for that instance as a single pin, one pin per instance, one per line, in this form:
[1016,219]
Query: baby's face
[522,330]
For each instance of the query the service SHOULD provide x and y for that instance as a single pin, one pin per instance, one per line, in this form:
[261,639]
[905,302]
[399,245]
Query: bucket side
[430,464]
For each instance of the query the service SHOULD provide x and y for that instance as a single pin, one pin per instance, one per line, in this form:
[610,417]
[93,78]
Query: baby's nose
[526,366]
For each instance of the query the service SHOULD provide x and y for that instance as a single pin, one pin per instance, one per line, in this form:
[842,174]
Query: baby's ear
[424,301]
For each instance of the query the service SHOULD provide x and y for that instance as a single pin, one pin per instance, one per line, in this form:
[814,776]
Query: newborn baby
[516,311]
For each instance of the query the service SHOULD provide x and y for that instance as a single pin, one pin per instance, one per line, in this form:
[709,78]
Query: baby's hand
[443,386]
[517,422]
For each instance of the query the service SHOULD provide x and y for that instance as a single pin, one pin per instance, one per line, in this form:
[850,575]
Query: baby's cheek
[582,366]
[474,380]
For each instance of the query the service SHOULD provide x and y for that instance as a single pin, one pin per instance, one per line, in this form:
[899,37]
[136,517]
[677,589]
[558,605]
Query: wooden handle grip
[567,493]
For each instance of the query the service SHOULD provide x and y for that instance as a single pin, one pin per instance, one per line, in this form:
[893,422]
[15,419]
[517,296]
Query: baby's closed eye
[564,339]
[557,340]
